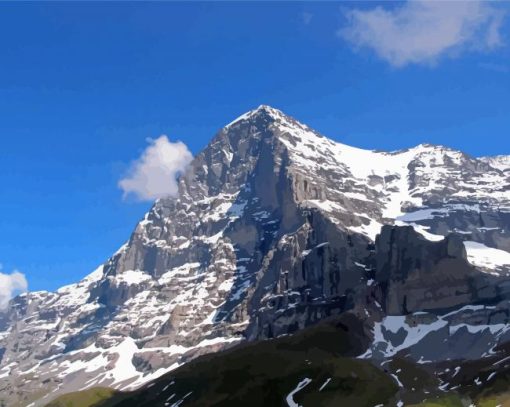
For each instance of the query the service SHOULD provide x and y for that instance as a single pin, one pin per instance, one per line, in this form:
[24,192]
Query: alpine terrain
[290,270]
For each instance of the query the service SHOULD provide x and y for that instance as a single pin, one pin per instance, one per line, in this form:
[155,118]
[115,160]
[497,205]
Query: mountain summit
[275,228]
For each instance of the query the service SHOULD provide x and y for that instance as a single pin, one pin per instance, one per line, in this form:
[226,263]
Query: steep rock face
[434,303]
[273,230]
[310,274]
[415,274]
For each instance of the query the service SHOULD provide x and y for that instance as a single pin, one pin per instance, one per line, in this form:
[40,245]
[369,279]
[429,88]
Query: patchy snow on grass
[395,324]
[301,385]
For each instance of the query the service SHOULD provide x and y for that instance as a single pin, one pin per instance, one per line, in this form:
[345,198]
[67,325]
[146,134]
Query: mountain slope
[315,367]
[274,229]
[312,367]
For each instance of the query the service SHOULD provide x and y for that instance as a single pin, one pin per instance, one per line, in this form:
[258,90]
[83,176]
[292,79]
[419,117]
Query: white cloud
[10,285]
[154,174]
[422,31]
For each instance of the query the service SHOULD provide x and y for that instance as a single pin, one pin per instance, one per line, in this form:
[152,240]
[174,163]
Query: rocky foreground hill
[276,231]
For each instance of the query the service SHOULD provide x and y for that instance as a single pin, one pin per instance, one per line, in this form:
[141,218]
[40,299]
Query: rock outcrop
[415,274]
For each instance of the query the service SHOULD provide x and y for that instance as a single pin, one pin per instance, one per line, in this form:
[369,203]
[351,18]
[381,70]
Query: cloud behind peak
[154,174]
[10,285]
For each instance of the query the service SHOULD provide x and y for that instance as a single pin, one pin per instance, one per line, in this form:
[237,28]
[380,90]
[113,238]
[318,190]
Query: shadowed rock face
[274,229]
[415,274]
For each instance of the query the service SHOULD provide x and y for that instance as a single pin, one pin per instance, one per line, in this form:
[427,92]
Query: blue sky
[82,86]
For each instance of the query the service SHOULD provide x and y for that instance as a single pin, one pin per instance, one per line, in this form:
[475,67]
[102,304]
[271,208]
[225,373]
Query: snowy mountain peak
[271,231]
[264,116]
[338,179]
[430,146]
[268,109]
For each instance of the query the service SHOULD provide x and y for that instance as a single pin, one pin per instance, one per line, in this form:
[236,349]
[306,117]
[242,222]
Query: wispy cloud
[154,174]
[10,285]
[422,31]
[306,17]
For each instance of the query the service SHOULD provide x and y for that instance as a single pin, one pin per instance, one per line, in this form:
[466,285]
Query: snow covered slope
[273,230]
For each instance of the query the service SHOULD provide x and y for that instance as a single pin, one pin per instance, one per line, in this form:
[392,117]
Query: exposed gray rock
[273,230]
[415,274]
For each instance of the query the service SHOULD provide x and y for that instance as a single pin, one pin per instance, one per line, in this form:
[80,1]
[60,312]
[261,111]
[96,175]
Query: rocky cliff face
[405,260]
[274,229]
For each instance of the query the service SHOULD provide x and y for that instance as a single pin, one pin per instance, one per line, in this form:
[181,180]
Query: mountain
[275,229]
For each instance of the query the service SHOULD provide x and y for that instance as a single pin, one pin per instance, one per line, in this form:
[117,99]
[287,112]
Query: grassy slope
[85,398]
[493,376]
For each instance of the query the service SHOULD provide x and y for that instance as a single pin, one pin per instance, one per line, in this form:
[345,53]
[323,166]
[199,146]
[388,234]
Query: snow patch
[485,257]
[301,385]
